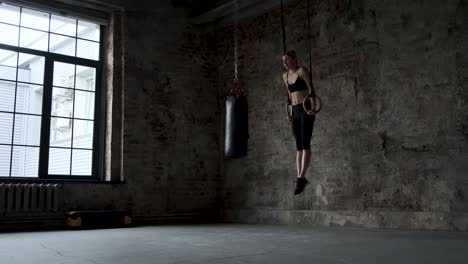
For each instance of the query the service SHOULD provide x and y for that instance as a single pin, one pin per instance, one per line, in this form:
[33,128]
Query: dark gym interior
[114,135]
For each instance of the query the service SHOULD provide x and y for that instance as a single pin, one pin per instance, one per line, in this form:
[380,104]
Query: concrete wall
[170,162]
[389,147]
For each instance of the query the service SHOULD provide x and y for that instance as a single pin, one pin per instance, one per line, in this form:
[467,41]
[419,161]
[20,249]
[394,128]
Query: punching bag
[237,124]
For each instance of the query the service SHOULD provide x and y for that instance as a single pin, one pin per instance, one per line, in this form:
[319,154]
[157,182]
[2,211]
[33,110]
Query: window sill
[71,181]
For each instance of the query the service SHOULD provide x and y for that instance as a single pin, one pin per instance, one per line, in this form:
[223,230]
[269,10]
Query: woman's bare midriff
[298,97]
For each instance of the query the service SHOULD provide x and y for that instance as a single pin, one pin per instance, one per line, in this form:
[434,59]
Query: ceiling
[201,12]
[221,12]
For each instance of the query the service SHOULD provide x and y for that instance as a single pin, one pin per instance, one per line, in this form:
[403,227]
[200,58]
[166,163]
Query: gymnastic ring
[315,108]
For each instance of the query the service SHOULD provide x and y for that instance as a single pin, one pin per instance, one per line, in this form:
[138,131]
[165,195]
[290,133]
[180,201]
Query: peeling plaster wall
[390,147]
[170,162]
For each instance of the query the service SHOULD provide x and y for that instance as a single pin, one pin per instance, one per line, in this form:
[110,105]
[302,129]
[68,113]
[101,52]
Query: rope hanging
[309,35]
[315,108]
[282,27]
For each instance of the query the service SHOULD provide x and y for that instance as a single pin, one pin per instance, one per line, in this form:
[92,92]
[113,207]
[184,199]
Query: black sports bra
[298,85]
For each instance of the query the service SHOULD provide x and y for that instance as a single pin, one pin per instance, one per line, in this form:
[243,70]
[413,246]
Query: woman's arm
[289,102]
[285,79]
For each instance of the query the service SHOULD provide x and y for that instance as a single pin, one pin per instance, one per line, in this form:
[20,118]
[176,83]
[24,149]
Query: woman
[298,83]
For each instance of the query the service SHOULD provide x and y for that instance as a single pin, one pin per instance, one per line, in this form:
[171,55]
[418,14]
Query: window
[50,89]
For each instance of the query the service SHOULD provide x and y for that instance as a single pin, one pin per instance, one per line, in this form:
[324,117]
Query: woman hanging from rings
[300,89]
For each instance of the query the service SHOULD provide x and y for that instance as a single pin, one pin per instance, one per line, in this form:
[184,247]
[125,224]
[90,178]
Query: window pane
[63,25]
[88,30]
[33,39]
[31,68]
[83,134]
[8,61]
[6,128]
[60,132]
[85,78]
[62,102]
[5,160]
[59,161]
[82,162]
[64,74]
[7,95]
[27,130]
[9,14]
[84,105]
[29,98]
[9,35]
[62,45]
[35,19]
[88,50]
[25,162]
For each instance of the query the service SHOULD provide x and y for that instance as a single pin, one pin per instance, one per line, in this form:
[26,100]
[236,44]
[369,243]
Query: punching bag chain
[236,39]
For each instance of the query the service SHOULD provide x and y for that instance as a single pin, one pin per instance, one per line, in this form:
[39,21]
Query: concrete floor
[233,244]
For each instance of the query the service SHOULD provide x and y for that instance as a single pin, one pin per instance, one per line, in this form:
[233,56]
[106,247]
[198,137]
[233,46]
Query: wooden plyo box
[97,218]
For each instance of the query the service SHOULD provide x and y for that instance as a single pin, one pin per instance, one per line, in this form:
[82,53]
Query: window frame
[46,114]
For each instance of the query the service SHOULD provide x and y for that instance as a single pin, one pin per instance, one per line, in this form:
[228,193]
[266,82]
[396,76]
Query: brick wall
[389,147]
[171,117]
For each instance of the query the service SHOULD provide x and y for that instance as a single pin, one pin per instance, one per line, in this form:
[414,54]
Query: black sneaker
[300,185]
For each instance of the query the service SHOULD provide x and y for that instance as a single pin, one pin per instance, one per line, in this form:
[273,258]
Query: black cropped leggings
[302,127]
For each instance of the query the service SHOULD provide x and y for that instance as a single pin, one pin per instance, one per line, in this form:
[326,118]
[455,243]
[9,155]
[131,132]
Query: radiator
[29,198]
